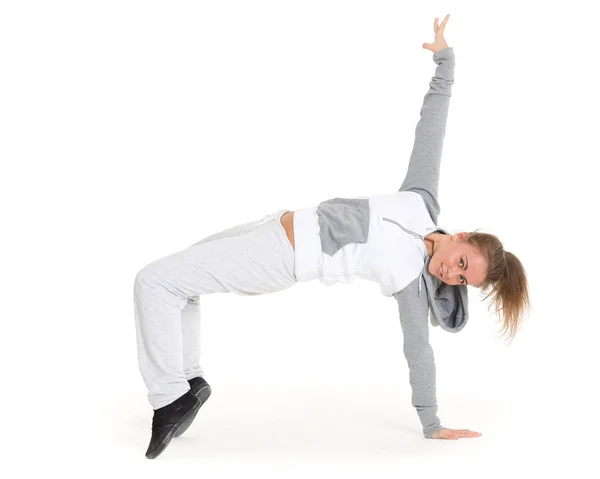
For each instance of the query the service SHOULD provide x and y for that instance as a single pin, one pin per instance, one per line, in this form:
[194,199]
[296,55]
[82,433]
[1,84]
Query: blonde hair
[507,279]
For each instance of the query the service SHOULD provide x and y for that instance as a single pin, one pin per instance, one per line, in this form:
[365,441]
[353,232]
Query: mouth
[441,271]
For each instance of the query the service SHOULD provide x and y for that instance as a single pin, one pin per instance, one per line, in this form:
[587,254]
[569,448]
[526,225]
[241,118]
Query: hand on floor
[454,433]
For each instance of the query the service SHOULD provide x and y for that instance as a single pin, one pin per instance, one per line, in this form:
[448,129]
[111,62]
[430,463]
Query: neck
[431,242]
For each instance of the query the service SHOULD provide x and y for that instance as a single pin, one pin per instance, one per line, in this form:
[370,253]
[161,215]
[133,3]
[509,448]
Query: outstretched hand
[454,434]
[439,43]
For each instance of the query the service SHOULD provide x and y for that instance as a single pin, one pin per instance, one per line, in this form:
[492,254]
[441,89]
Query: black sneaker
[199,388]
[168,419]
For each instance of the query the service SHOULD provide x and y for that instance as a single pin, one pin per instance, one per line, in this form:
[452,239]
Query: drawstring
[416,235]
[424,261]
[421,276]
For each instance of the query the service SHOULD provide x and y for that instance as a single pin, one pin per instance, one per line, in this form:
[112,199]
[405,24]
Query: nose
[451,272]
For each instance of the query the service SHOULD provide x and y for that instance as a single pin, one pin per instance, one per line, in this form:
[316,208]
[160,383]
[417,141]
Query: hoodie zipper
[416,235]
[408,231]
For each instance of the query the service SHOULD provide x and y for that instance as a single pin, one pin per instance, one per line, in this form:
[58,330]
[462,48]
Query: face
[455,262]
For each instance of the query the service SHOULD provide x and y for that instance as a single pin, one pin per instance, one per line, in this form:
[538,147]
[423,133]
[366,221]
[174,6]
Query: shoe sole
[202,394]
[165,442]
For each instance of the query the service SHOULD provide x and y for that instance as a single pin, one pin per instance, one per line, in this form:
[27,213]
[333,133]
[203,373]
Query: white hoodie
[381,238]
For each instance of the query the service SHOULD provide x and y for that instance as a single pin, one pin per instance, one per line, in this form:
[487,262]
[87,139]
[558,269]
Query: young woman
[392,239]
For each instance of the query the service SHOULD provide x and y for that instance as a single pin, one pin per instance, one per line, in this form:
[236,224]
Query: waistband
[308,260]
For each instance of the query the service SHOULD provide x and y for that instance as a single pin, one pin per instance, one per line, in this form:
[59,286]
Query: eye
[462,280]
[461,262]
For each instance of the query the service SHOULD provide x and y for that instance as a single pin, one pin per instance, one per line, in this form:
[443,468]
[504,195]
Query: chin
[436,271]
[432,270]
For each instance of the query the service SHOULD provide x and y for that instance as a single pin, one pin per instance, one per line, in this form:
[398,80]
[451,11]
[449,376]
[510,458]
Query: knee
[146,276]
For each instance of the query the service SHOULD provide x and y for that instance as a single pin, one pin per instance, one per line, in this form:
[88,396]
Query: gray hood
[448,304]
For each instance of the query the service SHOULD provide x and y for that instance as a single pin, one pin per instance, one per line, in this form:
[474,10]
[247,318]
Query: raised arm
[424,166]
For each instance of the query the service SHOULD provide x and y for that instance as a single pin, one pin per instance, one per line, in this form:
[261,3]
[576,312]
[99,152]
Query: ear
[462,235]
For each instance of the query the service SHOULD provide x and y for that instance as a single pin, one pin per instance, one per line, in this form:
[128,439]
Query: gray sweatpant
[248,259]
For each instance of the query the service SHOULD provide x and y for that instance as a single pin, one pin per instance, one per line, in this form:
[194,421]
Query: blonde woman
[392,239]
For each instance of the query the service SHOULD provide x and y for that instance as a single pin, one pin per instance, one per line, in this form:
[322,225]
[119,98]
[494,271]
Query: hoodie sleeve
[414,311]
[424,166]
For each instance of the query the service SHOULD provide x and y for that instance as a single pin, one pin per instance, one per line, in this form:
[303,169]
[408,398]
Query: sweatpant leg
[190,316]
[259,260]
[190,335]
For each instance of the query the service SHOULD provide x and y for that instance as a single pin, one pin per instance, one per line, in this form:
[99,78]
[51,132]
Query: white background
[130,130]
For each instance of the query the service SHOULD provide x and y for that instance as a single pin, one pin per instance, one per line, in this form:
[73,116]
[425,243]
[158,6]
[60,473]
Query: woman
[392,239]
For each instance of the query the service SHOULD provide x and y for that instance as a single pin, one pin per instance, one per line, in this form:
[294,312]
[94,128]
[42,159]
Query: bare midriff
[287,221]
